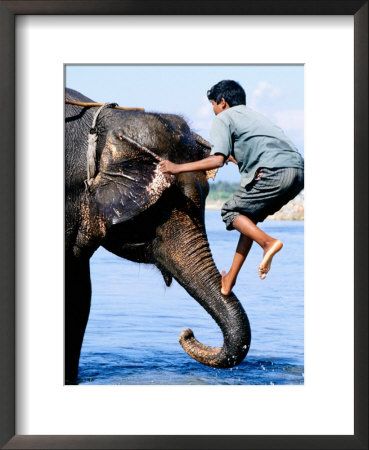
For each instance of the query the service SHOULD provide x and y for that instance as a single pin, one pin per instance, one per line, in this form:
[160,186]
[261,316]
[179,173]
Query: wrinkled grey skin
[138,213]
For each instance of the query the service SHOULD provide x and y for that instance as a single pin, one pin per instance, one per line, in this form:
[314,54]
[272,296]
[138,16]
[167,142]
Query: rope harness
[92,143]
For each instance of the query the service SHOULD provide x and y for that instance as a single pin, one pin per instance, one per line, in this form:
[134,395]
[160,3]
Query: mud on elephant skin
[128,206]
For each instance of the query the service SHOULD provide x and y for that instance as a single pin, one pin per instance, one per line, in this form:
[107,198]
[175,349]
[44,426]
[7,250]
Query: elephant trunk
[190,261]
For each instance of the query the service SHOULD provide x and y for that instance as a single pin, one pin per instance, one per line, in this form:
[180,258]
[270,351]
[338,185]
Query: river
[135,320]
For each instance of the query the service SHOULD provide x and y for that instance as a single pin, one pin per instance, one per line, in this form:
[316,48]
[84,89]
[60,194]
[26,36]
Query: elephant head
[135,211]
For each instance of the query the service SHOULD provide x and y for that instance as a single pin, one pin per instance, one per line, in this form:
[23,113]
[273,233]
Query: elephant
[117,197]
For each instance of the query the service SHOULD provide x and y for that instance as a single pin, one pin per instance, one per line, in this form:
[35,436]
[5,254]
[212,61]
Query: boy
[272,172]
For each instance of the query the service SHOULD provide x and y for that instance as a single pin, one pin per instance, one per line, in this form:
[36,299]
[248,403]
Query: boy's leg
[249,232]
[242,250]
[270,245]
[270,190]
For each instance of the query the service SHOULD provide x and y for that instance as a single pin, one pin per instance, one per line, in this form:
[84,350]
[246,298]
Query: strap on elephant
[92,143]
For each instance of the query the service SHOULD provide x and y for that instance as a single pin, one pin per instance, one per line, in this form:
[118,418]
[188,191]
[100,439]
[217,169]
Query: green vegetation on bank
[222,190]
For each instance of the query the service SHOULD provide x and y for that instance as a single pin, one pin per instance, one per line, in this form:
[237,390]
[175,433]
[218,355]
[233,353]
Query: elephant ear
[204,148]
[124,189]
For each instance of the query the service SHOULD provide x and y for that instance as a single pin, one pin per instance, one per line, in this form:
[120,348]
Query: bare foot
[227,284]
[269,252]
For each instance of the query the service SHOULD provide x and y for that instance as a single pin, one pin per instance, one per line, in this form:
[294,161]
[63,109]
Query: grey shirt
[253,141]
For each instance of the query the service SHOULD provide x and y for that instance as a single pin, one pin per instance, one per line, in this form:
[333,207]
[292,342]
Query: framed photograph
[161,302]
[303,383]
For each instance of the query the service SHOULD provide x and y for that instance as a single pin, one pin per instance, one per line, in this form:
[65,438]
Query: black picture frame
[8,11]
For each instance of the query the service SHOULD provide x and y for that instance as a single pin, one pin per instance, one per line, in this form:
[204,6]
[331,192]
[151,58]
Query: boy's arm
[211,162]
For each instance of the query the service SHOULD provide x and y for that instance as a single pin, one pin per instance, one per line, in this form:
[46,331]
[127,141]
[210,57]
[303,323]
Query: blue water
[135,320]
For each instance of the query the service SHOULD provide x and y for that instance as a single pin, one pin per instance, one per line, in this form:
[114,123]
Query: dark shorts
[265,195]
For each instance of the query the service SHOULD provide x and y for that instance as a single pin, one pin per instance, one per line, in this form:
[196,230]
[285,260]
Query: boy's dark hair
[230,90]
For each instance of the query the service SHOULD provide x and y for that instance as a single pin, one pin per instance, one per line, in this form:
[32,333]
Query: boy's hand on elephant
[169,167]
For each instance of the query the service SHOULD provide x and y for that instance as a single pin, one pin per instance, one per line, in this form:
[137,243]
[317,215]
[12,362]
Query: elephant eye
[118,134]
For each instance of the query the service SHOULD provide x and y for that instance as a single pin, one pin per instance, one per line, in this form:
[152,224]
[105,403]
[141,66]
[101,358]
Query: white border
[325,404]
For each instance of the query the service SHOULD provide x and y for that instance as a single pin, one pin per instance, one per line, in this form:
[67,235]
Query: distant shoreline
[293,210]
